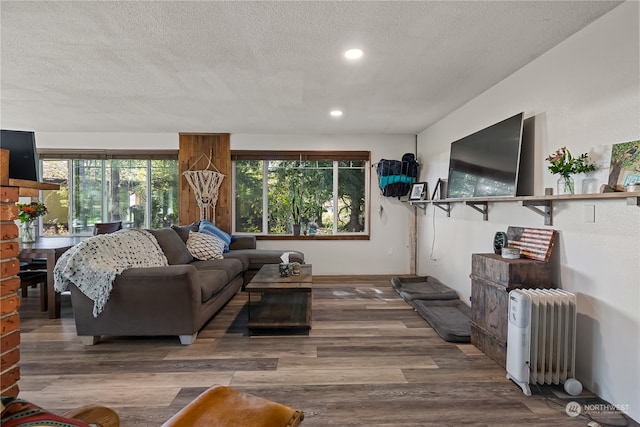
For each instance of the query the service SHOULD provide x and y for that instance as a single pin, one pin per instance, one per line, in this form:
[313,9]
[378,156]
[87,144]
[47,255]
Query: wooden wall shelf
[26,187]
[542,205]
[31,188]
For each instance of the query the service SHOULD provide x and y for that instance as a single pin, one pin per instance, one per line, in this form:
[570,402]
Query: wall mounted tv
[23,158]
[487,163]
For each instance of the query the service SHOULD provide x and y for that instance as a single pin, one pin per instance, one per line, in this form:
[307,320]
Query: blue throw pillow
[210,228]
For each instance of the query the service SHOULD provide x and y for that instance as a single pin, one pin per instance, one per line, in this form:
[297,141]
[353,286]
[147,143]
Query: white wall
[585,94]
[107,140]
[390,248]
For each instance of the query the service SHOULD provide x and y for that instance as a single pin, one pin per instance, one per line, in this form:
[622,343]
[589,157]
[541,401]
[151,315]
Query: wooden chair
[32,275]
[106,227]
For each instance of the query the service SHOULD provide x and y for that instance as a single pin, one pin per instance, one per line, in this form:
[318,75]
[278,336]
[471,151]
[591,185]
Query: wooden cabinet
[492,277]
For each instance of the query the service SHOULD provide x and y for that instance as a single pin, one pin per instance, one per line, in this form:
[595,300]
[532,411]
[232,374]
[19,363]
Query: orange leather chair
[222,406]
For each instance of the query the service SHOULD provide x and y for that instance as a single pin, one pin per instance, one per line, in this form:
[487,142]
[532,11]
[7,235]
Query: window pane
[248,182]
[56,221]
[351,199]
[127,192]
[124,194]
[309,182]
[164,193]
[284,181]
[87,207]
[301,192]
[318,198]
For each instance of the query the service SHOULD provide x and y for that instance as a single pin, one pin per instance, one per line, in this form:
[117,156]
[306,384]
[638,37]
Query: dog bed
[449,318]
[422,288]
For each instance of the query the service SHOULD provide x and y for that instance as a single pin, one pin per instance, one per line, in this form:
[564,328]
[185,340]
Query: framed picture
[625,165]
[418,191]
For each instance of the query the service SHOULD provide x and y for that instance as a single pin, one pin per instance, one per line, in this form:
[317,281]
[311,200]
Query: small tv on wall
[487,163]
[23,158]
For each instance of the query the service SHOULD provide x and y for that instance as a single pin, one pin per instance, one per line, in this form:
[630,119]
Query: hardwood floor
[369,360]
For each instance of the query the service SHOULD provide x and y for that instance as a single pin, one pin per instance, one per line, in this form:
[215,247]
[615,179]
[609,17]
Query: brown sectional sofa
[178,299]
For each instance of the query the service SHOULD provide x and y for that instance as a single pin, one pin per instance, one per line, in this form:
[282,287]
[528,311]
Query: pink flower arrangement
[563,163]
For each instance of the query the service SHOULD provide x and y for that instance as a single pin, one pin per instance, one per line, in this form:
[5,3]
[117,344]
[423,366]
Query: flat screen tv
[23,158]
[486,163]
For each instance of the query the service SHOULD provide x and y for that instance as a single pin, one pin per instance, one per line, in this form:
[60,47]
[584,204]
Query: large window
[322,193]
[142,193]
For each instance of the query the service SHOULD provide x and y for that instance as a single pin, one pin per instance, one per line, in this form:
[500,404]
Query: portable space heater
[541,337]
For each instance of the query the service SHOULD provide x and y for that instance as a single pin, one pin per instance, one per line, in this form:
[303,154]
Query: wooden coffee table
[280,302]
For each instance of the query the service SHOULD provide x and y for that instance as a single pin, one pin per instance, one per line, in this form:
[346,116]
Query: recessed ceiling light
[353,54]
[336,113]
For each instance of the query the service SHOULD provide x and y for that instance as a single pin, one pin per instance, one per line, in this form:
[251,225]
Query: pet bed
[422,288]
[438,304]
[449,318]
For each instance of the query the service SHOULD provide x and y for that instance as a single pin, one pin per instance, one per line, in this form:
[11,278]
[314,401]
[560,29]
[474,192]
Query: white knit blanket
[93,264]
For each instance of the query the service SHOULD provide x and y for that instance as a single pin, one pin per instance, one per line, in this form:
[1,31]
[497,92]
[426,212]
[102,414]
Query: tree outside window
[327,197]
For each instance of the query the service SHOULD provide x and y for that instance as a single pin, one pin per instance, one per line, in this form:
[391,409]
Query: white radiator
[541,337]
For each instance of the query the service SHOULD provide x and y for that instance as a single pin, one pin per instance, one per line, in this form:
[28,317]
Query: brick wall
[9,285]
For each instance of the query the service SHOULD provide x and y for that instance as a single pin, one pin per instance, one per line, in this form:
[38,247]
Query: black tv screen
[23,158]
[486,163]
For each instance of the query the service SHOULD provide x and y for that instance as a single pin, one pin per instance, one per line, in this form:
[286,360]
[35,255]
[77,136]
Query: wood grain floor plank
[358,324]
[120,397]
[356,363]
[140,380]
[318,376]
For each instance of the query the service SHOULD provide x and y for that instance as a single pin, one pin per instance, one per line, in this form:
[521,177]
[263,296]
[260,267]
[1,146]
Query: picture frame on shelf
[418,191]
[440,189]
[625,165]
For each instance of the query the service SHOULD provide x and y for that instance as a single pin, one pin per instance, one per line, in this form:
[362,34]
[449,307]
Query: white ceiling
[265,67]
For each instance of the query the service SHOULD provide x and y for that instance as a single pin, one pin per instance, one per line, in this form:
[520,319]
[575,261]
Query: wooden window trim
[59,154]
[300,155]
[316,237]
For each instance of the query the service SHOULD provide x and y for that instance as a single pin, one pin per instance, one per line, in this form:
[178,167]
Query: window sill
[316,237]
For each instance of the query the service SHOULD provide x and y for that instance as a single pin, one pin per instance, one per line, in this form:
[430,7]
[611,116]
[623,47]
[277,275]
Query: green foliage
[29,212]
[351,214]
[248,194]
[164,193]
[299,193]
[563,163]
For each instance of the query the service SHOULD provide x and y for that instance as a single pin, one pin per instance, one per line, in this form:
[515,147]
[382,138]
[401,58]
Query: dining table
[49,249]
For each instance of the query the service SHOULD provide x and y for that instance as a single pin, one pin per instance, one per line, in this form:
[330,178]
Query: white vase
[589,186]
[566,185]
[28,232]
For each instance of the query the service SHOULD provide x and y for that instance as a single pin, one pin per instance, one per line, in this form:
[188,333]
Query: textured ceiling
[264,67]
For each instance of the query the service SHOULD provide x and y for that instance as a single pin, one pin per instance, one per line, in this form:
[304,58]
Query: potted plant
[565,165]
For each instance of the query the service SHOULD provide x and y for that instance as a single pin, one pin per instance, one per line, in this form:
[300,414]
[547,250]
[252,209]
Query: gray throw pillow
[172,245]
[183,230]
